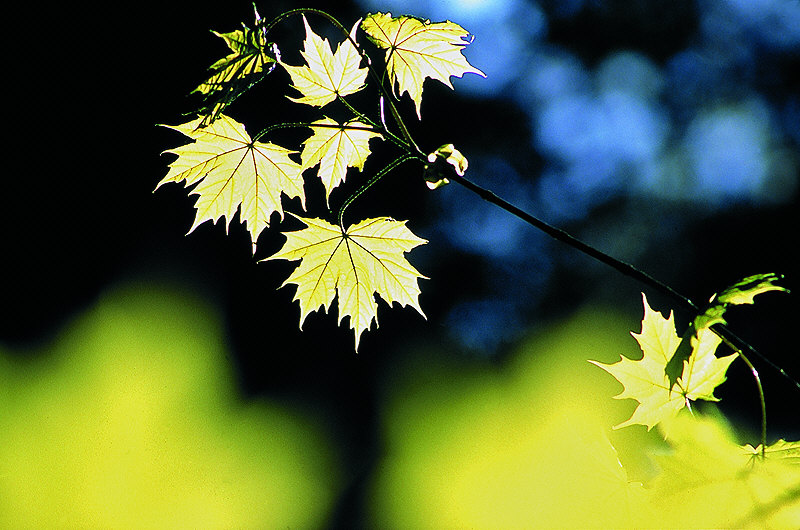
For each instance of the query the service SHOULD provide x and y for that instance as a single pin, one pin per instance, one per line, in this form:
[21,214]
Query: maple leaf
[417,49]
[233,171]
[238,71]
[336,147]
[709,481]
[646,380]
[327,75]
[353,265]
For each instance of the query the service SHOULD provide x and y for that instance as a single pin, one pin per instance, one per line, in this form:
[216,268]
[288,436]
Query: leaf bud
[444,161]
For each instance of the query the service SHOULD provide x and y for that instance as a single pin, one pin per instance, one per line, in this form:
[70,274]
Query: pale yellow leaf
[353,265]
[326,75]
[646,380]
[416,49]
[336,147]
[234,173]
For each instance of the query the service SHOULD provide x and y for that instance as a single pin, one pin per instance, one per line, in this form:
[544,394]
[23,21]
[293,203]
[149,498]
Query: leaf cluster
[232,171]
[748,486]
[675,371]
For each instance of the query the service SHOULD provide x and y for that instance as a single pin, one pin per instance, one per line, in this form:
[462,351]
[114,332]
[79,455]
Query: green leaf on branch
[236,72]
[336,147]
[353,265]
[417,49]
[232,172]
[646,381]
[327,75]
[742,292]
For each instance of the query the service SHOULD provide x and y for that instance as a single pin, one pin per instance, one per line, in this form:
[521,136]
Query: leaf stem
[300,125]
[399,142]
[375,178]
[725,333]
[761,398]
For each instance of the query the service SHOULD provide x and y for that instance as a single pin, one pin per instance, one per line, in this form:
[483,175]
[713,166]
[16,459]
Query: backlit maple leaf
[353,265]
[646,381]
[232,171]
[416,49]
[327,75]
[336,147]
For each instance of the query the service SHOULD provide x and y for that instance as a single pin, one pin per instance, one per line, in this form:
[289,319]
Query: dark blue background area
[667,134]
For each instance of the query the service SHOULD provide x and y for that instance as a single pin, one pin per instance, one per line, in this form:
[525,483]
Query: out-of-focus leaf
[780,449]
[709,481]
[131,419]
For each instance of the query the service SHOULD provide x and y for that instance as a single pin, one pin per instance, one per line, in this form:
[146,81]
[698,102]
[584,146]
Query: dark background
[88,86]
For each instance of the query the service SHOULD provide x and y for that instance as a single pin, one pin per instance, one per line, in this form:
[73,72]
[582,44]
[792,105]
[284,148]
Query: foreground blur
[131,420]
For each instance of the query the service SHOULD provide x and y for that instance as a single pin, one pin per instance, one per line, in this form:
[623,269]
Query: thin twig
[733,341]
[564,237]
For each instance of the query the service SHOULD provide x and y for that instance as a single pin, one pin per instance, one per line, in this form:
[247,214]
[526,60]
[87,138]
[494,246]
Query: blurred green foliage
[526,444]
[709,481]
[529,444]
[131,419]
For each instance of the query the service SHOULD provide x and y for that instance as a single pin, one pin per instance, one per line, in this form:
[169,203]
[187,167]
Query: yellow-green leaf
[780,450]
[743,291]
[336,147]
[646,380]
[326,75]
[233,172]
[235,72]
[416,49]
[709,481]
[353,265]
